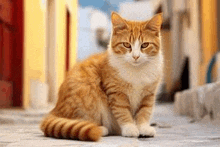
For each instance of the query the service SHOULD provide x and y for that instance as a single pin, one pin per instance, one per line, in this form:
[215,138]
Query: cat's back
[83,75]
[90,67]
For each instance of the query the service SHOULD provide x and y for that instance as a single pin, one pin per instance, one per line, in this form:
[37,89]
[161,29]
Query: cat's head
[135,42]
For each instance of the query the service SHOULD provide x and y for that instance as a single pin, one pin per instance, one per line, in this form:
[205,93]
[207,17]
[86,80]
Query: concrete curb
[197,103]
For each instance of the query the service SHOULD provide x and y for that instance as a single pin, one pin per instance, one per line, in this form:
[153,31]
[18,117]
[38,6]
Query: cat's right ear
[118,22]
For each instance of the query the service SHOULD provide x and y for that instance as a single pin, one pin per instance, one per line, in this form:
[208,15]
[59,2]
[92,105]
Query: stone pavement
[172,131]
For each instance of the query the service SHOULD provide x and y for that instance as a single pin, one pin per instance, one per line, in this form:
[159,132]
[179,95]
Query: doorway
[185,75]
[11,53]
[67,40]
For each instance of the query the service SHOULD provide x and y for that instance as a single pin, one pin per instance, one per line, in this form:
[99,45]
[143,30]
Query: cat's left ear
[155,23]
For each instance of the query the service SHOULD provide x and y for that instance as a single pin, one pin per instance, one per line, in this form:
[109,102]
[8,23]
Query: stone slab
[199,102]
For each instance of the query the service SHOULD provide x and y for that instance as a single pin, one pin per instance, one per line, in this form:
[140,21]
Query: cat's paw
[104,130]
[146,131]
[129,130]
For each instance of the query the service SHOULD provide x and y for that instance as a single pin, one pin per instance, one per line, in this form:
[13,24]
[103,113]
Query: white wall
[189,42]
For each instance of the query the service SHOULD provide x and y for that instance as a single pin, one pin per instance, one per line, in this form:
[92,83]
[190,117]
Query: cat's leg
[104,130]
[143,116]
[121,110]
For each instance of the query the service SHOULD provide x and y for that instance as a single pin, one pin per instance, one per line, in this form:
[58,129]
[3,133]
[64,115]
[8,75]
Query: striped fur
[58,127]
[112,92]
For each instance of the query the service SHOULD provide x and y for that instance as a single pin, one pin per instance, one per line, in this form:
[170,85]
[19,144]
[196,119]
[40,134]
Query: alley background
[41,40]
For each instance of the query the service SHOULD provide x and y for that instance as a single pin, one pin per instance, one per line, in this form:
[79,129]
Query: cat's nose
[135,57]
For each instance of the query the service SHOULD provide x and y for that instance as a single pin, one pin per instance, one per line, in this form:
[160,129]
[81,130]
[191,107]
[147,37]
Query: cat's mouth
[136,63]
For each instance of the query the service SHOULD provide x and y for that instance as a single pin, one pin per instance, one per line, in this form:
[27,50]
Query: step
[199,102]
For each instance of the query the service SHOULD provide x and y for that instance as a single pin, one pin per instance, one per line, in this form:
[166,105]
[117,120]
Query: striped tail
[57,127]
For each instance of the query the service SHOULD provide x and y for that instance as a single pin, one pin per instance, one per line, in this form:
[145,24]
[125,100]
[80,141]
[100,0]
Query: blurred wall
[194,35]
[209,35]
[61,7]
[35,43]
[185,30]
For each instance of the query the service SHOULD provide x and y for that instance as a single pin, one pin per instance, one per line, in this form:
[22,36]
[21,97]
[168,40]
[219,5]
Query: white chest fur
[135,97]
[138,77]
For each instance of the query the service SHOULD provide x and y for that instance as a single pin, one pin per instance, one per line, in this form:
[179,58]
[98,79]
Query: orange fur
[106,89]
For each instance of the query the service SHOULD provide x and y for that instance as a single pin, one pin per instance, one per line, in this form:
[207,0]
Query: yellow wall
[209,35]
[73,36]
[61,39]
[35,41]
[34,45]
[61,35]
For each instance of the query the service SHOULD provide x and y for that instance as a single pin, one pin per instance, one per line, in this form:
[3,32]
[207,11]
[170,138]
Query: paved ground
[172,131]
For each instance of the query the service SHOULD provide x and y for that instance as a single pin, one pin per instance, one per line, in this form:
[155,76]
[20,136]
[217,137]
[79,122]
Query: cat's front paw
[146,130]
[129,130]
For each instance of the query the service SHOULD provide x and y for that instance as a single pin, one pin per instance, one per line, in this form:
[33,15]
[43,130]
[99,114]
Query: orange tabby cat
[112,92]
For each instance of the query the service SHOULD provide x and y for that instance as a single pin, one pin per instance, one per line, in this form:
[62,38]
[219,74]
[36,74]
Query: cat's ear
[118,22]
[155,23]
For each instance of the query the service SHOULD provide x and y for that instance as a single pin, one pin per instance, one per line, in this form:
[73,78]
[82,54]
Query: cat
[112,93]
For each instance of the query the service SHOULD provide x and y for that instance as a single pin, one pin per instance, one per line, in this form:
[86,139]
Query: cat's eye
[127,45]
[144,45]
